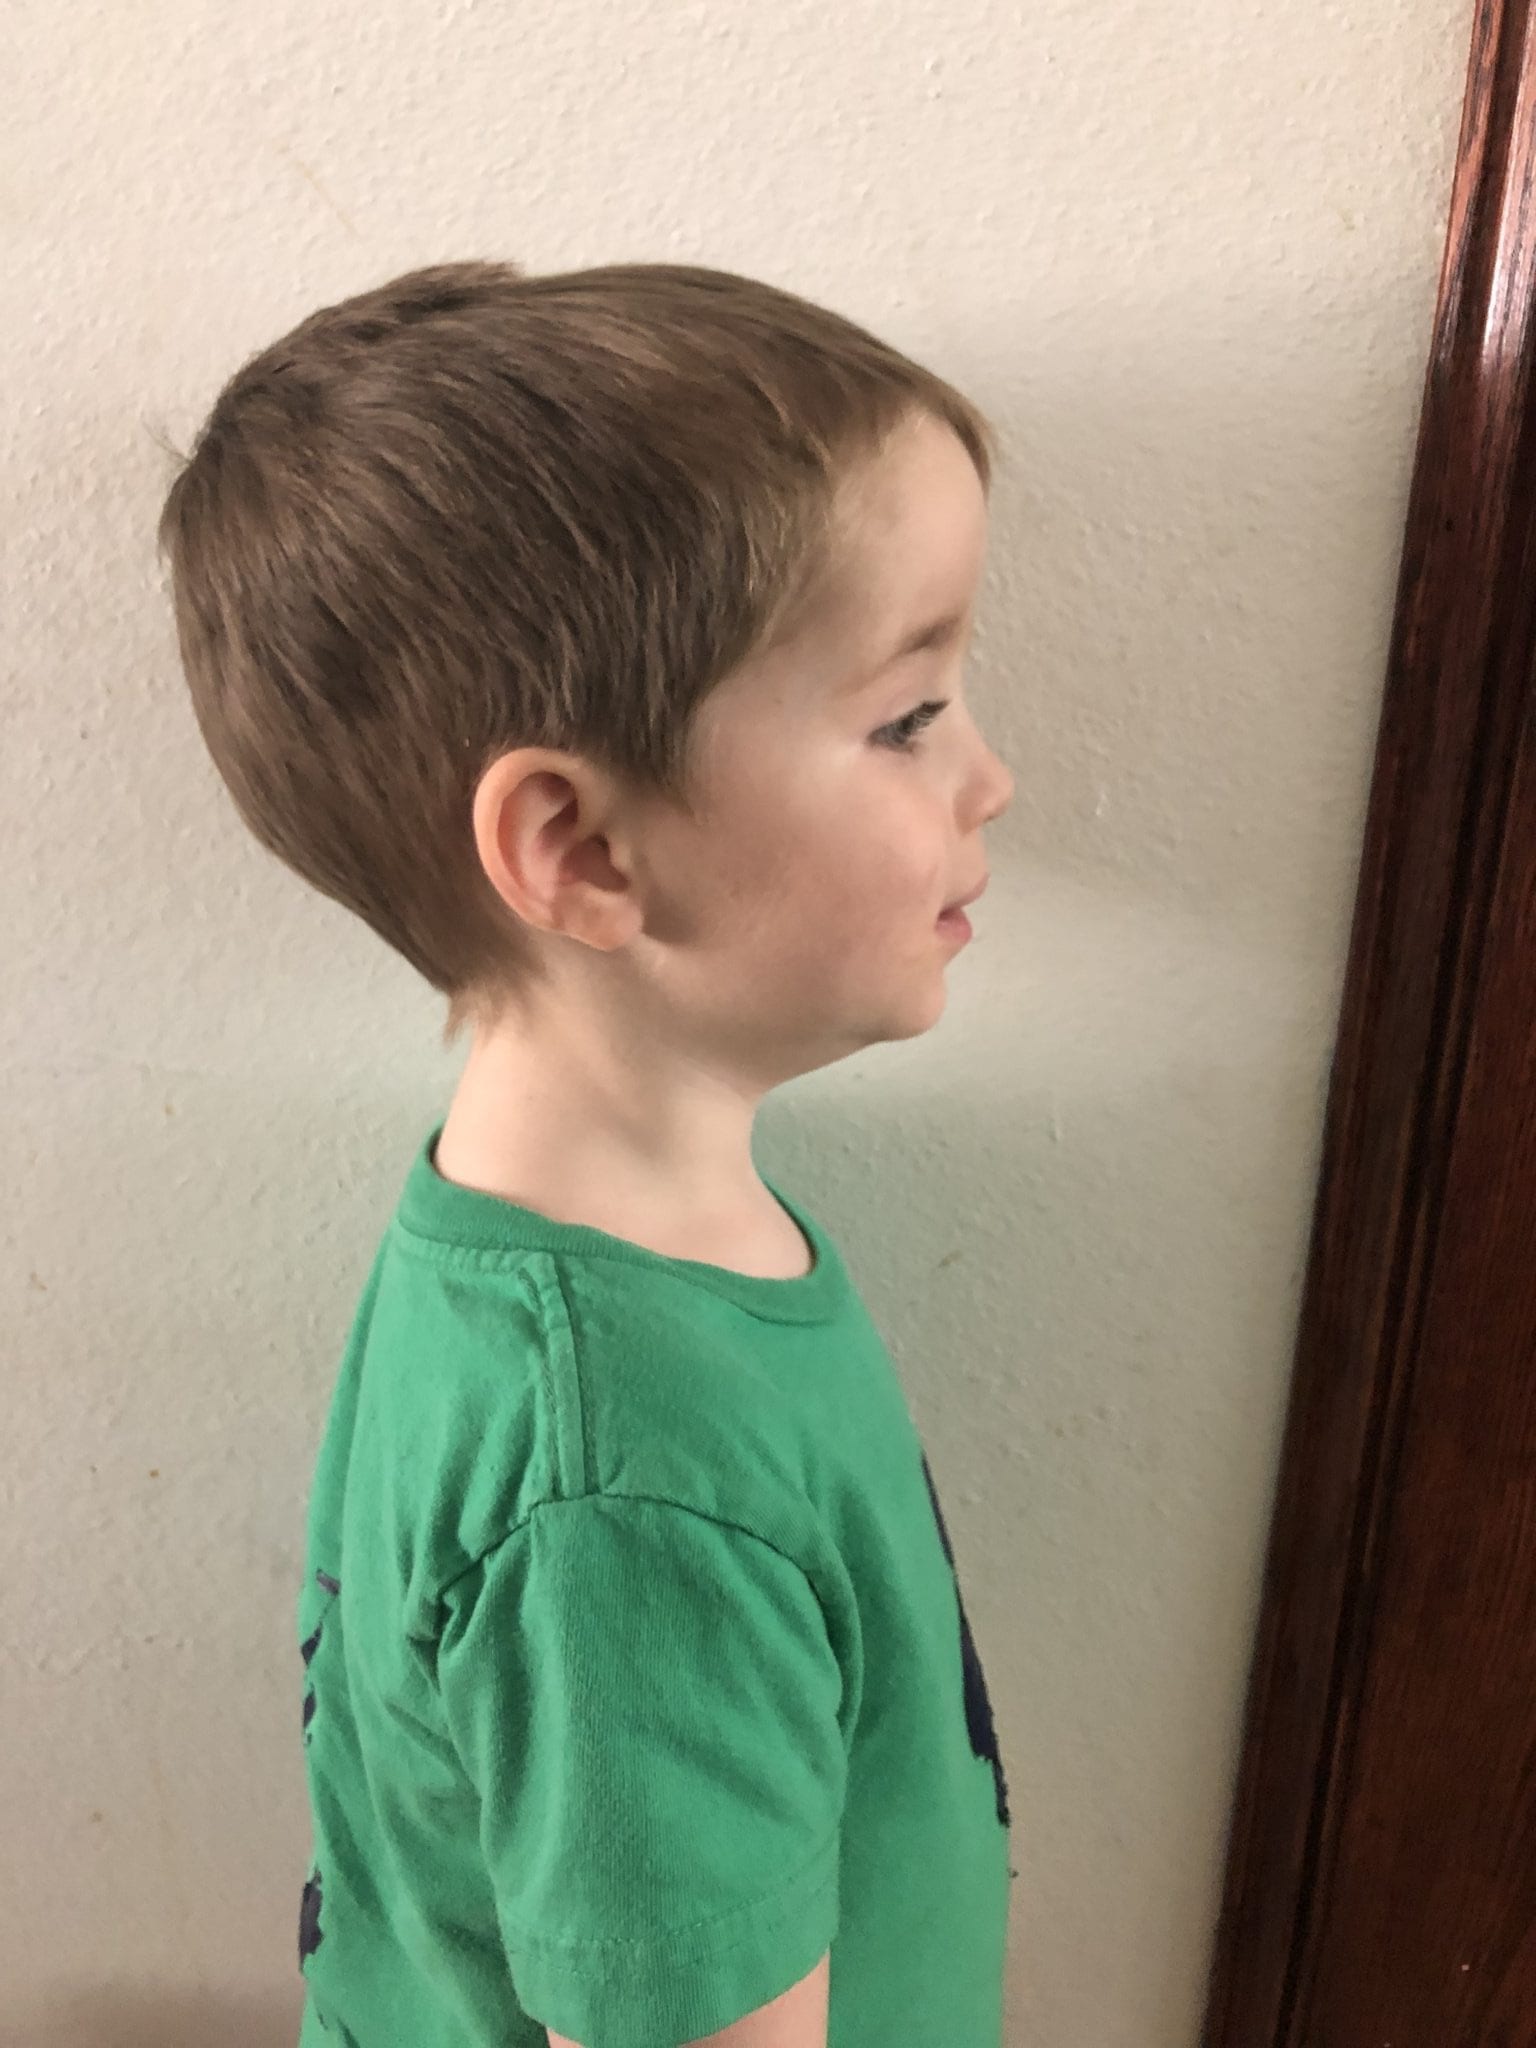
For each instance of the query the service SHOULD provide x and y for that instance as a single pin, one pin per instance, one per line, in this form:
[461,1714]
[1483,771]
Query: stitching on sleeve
[644,1499]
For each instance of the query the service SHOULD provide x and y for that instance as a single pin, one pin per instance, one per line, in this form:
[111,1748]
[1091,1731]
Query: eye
[901,736]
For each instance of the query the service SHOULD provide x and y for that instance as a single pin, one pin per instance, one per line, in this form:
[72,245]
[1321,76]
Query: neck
[618,1136]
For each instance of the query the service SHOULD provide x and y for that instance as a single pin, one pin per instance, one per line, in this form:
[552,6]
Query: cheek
[876,895]
[826,857]
[907,848]
[885,852]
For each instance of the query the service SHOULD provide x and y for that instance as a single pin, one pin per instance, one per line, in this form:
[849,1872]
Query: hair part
[471,510]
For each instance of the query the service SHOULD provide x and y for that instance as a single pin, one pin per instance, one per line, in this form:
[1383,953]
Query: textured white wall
[1188,258]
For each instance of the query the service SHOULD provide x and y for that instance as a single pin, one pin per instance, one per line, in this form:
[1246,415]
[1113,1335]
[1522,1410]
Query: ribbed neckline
[439,1211]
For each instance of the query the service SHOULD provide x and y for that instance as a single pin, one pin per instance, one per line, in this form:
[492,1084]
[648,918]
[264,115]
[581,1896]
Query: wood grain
[1381,1876]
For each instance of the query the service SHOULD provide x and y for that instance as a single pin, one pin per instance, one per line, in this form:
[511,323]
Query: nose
[999,788]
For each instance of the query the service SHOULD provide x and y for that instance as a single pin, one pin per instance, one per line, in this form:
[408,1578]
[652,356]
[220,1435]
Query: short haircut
[472,509]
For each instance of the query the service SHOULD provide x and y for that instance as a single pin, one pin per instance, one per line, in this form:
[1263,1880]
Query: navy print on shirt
[978,1707]
[311,1643]
[310,1935]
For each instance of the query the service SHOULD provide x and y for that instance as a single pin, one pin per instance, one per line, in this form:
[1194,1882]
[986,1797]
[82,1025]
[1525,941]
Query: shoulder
[497,1386]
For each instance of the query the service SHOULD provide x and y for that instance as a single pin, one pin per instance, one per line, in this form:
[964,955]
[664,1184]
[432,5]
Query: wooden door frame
[1458,693]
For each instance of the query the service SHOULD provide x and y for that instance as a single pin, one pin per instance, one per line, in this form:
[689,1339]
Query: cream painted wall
[1188,258]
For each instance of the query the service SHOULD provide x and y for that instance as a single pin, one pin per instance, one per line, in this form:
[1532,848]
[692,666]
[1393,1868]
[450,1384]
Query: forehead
[912,541]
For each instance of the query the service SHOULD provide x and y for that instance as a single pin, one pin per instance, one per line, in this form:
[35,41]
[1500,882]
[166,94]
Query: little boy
[597,637]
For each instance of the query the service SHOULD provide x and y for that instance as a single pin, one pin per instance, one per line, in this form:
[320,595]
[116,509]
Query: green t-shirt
[636,1674]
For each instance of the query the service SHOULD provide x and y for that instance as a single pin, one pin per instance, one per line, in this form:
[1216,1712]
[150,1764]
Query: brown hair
[471,510]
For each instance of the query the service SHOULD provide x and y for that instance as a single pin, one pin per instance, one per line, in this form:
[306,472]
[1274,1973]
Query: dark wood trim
[1457,695]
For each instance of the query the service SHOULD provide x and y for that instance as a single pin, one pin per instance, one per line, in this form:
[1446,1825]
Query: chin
[922,1017]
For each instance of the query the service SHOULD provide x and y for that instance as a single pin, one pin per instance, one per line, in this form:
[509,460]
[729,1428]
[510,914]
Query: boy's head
[550,624]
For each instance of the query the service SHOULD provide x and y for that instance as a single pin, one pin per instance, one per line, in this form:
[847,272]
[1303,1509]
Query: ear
[541,824]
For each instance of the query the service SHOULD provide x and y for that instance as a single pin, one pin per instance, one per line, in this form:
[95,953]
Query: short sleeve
[646,1700]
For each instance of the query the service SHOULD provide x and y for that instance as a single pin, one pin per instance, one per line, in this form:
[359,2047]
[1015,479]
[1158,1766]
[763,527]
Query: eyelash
[909,727]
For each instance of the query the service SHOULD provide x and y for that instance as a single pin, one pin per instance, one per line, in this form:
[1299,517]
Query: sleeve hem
[653,1992]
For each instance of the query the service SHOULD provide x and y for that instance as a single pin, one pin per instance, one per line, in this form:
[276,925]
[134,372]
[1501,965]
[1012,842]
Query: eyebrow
[937,633]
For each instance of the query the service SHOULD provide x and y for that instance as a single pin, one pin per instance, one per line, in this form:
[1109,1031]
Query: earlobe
[617,922]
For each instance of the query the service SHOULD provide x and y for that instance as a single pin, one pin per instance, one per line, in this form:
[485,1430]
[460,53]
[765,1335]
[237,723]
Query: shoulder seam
[643,1499]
